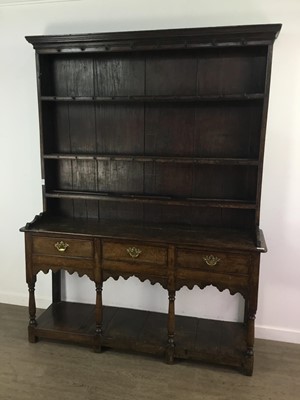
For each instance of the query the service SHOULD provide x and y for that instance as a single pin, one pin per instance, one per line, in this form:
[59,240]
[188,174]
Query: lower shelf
[144,331]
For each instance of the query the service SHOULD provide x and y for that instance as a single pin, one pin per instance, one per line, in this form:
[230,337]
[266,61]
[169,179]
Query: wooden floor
[50,370]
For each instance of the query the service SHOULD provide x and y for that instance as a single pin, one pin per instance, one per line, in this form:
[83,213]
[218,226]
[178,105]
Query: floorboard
[51,370]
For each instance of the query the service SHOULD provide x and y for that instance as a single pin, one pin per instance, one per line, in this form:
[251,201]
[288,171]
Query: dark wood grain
[120,128]
[228,130]
[247,66]
[171,74]
[167,126]
[121,75]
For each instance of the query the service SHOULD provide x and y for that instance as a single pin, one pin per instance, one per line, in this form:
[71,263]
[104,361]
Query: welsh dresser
[152,147]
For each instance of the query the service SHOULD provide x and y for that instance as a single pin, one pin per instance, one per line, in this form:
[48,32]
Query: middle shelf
[165,200]
[149,178]
[150,99]
[151,158]
[226,130]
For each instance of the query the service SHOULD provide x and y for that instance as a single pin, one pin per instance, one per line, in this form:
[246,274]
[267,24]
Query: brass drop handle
[61,246]
[211,260]
[134,252]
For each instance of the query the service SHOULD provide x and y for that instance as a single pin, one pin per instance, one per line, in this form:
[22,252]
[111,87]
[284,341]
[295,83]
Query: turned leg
[249,317]
[246,312]
[32,312]
[99,316]
[171,329]
[249,356]
[56,286]
[249,322]
[31,280]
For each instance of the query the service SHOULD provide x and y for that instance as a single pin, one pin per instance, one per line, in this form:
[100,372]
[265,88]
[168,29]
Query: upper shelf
[157,159]
[150,99]
[158,39]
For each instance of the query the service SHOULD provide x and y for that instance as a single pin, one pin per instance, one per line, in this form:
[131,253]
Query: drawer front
[219,262]
[134,253]
[63,247]
[190,277]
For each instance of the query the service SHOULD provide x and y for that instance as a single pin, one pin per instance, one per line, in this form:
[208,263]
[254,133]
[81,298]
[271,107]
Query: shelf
[145,331]
[150,99]
[164,200]
[157,159]
[74,322]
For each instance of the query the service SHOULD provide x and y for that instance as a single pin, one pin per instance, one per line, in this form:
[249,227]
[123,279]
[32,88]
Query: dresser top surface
[223,238]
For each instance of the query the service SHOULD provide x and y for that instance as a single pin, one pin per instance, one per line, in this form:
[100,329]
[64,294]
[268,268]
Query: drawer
[134,253]
[219,262]
[63,247]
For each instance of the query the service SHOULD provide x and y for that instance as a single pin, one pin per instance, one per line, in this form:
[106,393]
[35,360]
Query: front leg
[32,311]
[171,329]
[99,316]
[247,367]
[31,280]
[56,286]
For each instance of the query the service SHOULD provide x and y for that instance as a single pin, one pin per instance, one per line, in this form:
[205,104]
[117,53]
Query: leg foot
[97,346]
[169,356]
[247,367]
[32,338]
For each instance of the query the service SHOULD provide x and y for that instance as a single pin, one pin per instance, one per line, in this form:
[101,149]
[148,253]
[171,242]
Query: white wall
[278,315]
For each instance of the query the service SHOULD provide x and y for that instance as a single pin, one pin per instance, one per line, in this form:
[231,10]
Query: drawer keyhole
[211,260]
[134,252]
[61,246]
